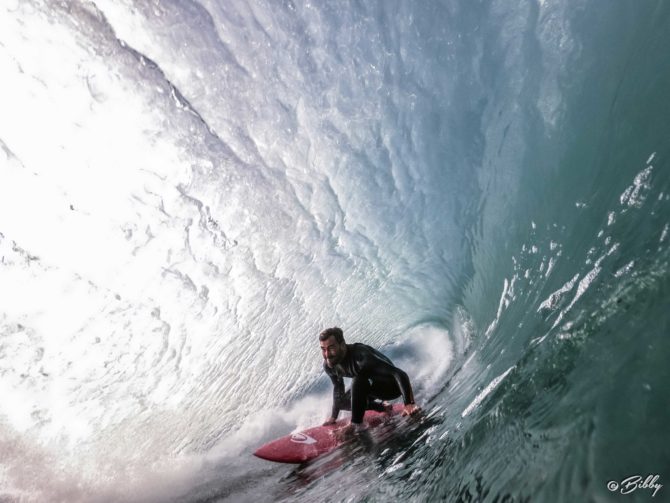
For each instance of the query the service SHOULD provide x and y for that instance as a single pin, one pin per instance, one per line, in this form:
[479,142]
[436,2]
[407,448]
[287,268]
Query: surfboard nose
[281,451]
[265,452]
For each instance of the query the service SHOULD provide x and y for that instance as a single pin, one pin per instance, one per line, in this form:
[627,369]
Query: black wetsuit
[374,378]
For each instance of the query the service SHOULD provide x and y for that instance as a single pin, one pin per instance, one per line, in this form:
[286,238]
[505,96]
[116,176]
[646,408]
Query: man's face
[332,351]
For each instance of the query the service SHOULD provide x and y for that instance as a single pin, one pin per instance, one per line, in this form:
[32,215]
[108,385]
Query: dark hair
[332,332]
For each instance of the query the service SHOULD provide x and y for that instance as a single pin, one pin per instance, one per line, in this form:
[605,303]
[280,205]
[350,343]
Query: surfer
[374,378]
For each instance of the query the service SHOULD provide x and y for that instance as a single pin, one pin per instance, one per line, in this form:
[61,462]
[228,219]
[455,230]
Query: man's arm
[338,393]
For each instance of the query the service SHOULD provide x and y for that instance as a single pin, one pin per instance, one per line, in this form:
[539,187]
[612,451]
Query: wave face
[191,190]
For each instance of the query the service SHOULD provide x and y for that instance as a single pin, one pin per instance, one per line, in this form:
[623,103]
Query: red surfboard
[313,442]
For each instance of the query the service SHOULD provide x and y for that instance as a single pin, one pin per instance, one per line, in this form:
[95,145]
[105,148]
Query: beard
[331,362]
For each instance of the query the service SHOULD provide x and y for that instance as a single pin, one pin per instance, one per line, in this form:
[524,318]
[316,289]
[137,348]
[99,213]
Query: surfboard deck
[308,444]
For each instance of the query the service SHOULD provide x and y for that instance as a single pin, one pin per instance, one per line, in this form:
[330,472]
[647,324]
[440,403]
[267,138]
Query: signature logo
[631,484]
[301,438]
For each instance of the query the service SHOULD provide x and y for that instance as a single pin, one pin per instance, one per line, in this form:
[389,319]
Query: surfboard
[308,444]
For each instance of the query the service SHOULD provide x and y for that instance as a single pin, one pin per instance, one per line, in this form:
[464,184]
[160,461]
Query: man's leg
[360,390]
[385,389]
[374,404]
[363,396]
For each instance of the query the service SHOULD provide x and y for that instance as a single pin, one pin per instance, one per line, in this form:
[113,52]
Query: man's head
[333,347]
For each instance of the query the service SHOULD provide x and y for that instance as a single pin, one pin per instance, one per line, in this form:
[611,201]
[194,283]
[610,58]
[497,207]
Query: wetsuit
[374,378]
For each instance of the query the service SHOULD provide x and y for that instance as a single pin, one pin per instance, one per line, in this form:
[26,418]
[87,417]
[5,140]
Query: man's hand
[330,421]
[410,409]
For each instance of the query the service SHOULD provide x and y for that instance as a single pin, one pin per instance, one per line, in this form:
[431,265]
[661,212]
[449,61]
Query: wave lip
[189,191]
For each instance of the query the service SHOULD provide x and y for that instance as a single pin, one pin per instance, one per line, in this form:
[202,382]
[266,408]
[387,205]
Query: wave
[190,191]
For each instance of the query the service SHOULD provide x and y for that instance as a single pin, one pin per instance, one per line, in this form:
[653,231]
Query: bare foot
[345,432]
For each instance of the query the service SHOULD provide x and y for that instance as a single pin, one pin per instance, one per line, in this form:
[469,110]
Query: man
[374,378]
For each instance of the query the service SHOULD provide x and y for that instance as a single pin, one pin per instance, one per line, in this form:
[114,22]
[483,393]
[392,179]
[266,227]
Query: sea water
[190,190]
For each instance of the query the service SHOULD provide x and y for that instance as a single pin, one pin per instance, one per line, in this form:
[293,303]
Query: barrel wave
[190,190]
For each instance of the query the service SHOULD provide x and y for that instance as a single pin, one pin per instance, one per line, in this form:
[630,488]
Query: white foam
[552,301]
[262,426]
[636,194]
[432,352]
[486,392]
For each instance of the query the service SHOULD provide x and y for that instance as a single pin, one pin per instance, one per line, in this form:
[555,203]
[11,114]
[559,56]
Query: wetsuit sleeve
[376,366]
[338,391]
